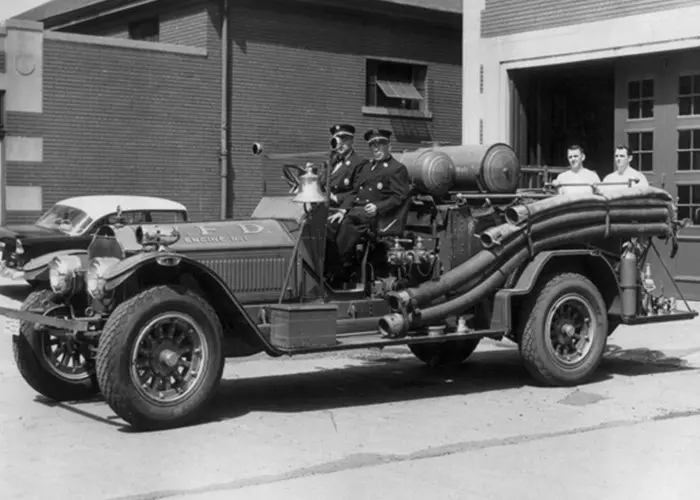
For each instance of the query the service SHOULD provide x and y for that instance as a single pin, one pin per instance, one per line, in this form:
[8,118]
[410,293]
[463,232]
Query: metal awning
[399,90]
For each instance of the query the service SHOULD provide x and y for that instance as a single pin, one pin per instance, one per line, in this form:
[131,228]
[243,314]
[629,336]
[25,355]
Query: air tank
[493,168]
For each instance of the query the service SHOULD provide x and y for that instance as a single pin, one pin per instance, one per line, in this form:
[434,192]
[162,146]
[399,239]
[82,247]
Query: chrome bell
[309,190]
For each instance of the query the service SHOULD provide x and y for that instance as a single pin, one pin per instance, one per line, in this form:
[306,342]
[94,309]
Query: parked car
[71,223]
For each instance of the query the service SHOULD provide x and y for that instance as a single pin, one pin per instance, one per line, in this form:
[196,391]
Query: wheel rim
[570,329]
[169,354]
[66,358]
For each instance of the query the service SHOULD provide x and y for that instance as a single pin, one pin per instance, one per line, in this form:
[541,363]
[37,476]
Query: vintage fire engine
[148,314]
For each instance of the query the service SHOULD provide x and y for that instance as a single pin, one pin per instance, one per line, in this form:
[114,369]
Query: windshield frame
[78,219]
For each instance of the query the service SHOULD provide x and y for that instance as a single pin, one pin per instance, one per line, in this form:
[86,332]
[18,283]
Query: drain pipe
[223,155]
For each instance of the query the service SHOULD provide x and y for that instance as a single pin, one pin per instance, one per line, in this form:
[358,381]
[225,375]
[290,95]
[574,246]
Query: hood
[229,235]
[12,231]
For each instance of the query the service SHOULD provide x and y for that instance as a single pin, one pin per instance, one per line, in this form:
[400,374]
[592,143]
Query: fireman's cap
[342,130]
[377,134]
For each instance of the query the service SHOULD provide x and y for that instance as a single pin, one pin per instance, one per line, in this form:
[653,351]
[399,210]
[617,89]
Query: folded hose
[506,239]
[396,324]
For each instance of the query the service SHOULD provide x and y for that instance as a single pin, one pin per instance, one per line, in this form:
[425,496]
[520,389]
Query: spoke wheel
[571,326]
[564,336]
[160,358]
[168,355]
[58,368]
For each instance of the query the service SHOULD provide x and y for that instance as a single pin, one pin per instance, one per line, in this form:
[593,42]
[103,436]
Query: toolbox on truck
[295,326]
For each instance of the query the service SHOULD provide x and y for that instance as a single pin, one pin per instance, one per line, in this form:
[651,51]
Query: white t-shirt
[629,173]
[583,175]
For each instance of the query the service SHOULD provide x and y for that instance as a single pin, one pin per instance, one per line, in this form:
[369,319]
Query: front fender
[37,269]
[502,317]
[220,295]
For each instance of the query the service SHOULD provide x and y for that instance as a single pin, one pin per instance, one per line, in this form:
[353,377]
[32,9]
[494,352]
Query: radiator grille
[250,274]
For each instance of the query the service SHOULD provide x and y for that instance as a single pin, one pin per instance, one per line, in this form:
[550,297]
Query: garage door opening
[554,107]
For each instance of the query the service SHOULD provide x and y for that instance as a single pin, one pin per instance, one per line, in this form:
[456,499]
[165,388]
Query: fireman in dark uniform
[381,187]
[343,165]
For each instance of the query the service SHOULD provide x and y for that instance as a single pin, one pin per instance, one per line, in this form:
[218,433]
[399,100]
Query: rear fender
[37,269]
[162,268]
[589,262]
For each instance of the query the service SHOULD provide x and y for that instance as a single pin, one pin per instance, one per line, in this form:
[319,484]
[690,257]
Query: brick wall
[124,120]
[298,69]
[182,22]
[504,17]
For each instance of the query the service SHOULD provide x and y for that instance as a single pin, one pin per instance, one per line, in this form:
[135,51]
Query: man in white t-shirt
[577,174]
[623,172]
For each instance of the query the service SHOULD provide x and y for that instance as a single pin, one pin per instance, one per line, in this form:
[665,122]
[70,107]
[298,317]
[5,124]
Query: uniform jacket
[342,179]
[385,183]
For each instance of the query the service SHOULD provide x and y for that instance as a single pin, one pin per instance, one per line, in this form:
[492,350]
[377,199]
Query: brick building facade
[123,96]
[546,74]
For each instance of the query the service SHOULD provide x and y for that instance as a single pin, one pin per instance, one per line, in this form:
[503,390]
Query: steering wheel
[291,174]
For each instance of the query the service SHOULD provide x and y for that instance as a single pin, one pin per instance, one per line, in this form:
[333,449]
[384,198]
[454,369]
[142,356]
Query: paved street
[380,425]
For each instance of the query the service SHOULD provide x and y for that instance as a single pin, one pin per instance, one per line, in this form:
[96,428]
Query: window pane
[685,85]
[685,106]
[633,110]
[696,105]
[633,140]
[696,161]
[647,164]
[647,141]
[683,194]
[647,108]
[684,139]
[696,139]
[633,90]
[696,84]
[683,213]
[695,190]
[683,160]
[648,88]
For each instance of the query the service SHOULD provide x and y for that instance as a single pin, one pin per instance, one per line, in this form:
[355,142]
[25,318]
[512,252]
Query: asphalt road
[378,424]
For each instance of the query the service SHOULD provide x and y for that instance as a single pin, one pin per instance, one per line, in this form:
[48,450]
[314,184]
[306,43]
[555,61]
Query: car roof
[97,206]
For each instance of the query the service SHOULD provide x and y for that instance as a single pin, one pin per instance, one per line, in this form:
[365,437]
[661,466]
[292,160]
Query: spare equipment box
[295,326]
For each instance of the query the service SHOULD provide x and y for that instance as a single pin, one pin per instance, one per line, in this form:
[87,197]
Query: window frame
[638,152]
[695,113]
[420,71]
[641,79]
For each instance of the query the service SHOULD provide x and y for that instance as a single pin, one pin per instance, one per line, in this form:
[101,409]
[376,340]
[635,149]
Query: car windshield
[65,219]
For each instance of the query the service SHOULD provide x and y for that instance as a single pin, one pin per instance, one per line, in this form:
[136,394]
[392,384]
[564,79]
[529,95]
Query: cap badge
[380,185]
[346,181]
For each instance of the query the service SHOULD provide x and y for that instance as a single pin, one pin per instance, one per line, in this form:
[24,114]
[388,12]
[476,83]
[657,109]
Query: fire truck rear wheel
[160,358]
[566,331]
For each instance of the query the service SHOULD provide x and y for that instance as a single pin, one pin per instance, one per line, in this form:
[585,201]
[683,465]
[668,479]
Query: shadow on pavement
[640,361]
[390,378]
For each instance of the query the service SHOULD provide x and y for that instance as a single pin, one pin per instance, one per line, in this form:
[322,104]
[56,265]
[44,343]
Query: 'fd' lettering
[251,228]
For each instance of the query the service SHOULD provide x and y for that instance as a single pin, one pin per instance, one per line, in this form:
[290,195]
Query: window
[395,85]
[642,146]
[689,202]
[2,111]
[145,29]
[166,217]
[689,149]
[689,95]
[640,99]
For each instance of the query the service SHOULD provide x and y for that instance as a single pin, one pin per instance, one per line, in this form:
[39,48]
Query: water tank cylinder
[431,170]
[495,167]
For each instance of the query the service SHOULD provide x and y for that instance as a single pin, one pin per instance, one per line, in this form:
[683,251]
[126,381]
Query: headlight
[63,273]
[94,280]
